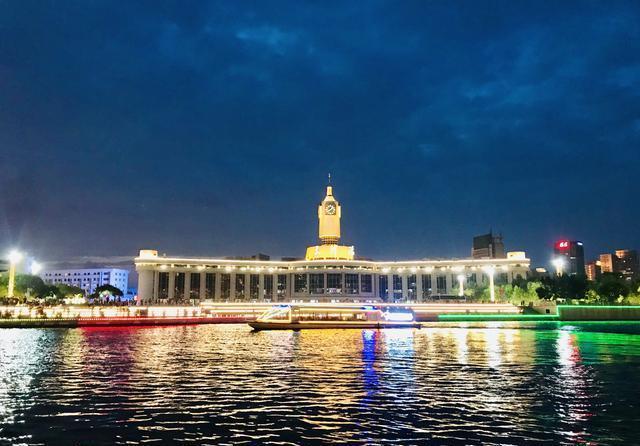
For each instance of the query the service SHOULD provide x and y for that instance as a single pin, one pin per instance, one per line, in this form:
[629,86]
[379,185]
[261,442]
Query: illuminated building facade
[593,270]
[572,251]
[623,261]
[488,246]
[330,272]
[88,278]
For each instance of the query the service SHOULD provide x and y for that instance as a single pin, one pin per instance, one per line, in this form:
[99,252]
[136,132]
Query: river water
[500,383]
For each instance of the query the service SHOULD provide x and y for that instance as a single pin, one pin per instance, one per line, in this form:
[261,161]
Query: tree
[106,291]
[612,286]
[65,290]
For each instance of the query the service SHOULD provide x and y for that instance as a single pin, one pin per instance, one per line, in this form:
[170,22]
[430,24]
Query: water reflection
[223,384]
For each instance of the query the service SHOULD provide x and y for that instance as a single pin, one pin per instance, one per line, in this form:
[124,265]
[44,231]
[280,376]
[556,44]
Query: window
[366,284]
[426,285]
[225,286]
[351,283]
[316,283]
[179,286]
[441,283]
[334,283]
[239,286]
[300,283]
[471,279]
[397,286]
[194,286]
[281,286]
[163,285]
[254,286]
[411,287]
[268,287]
[209,285]
[383,287]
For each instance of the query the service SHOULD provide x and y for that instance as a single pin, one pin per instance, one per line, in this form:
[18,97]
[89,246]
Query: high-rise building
[488,246]
[627,263]
[623,261]
[607,263]
[593,270]
[573,253]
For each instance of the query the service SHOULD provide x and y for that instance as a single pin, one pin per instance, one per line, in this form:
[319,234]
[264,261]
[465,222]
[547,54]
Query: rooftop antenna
[329,175]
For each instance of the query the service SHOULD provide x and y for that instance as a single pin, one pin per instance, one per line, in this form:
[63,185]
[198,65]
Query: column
[187,286]
[289,294]
[510,276]
[247,287]
[478,277]
[172,285]
[274,283]
[261,287]
[375,285]
[491,286]
[145,285]
[232,287]
[390,287]
[419,297]
[405,287]
[448,282]
[217,287]
[156,285]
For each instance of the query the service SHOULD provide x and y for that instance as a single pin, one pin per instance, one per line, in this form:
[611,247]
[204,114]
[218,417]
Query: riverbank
[223,313]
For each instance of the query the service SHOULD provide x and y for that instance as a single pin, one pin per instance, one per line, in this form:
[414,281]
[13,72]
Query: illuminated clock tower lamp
[329,214]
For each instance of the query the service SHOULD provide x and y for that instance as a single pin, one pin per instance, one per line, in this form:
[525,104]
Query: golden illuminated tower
[329,213]
[329,219]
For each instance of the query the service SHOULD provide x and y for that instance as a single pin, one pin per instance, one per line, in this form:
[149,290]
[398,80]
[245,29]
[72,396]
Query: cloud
[270,37]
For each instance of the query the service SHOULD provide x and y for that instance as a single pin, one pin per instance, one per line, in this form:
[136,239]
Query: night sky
[203,128]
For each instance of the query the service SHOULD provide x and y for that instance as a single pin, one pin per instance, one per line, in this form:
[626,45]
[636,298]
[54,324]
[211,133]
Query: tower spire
[329,177]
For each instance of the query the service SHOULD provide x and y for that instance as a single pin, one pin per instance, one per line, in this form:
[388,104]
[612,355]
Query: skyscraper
[593,270]
[573,253]
[488,246]
[627,263]
[623,261]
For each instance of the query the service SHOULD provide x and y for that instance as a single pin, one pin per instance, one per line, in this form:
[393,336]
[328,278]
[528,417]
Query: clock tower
[329,213]
[329,219]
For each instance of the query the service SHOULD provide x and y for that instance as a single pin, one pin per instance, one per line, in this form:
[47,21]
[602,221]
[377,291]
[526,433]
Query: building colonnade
[170,282]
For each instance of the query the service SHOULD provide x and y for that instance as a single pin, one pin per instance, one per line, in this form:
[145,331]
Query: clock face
[330,209]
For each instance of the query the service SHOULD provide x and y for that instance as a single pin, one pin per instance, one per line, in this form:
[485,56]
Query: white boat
[296,317]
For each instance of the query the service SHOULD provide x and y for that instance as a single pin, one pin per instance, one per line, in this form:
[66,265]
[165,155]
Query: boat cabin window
[276,314]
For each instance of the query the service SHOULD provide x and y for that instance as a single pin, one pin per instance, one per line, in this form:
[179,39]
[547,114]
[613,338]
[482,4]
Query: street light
[461,285]
[558,263]
[35,268]
[14,258]
[490,270]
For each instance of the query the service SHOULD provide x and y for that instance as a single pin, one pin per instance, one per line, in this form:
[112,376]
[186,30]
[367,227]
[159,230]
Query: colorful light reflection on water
[445,384]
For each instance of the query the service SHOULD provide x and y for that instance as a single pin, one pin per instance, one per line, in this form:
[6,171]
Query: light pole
[490,270]
[461,285]
[14,258]
[558,263]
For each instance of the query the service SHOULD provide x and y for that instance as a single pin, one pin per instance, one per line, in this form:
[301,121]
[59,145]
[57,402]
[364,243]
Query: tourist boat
[296,317]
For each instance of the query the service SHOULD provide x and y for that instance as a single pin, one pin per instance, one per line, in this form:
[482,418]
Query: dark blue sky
[205,128]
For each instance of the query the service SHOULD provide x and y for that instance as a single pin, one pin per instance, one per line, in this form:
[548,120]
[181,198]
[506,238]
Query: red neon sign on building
[562,245]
